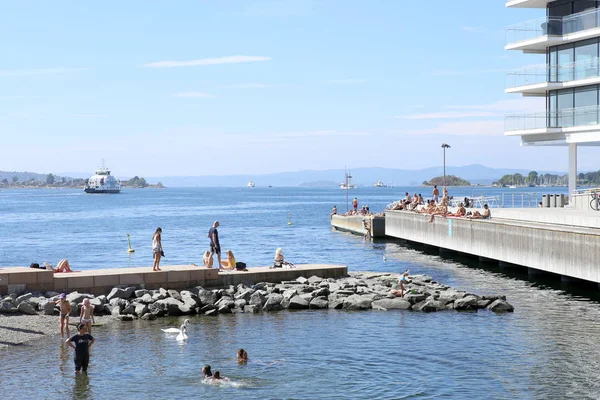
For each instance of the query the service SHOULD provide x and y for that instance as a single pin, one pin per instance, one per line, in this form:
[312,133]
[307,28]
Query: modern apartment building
[569,80]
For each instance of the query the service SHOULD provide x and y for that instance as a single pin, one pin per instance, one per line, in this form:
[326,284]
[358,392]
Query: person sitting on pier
[442,210]
[228,264]
[487,213]
[415,202]
[62,266]
[279,260]
[333,212]
[207,259]
[421,201]
[429,208]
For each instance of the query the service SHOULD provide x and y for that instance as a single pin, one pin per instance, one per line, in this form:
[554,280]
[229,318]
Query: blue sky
[215,87]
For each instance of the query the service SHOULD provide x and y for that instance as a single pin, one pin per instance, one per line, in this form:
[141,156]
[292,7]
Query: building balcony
[536,35]
[537,80]
[573,125]
[528,3]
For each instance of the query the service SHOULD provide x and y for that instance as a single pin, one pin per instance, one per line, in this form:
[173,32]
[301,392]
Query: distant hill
[477,174]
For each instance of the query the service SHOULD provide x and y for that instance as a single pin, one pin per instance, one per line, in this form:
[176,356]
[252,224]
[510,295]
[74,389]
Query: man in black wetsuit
[215,246]
[83,341]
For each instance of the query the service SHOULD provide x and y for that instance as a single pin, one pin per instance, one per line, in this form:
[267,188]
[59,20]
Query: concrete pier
[549,241]
[354,224]
[23,279]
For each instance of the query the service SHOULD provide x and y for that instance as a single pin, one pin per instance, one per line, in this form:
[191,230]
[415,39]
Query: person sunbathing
[62,266]
[461,212]
[429,208]
[487,213]
[230,262]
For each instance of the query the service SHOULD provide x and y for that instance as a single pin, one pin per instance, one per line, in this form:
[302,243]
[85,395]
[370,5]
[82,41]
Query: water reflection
[81,387]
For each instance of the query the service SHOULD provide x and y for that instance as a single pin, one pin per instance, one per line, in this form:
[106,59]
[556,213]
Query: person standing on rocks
[81,343]
[215,246]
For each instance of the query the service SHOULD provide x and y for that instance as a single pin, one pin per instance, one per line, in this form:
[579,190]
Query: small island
[450,180]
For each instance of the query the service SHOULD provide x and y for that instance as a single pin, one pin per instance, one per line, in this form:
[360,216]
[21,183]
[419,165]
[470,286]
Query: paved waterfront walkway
[19,279]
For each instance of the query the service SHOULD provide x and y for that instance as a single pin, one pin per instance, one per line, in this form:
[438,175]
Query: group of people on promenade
[228,264]
[354,211]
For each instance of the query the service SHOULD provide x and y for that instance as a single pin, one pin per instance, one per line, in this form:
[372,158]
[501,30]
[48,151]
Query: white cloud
[449,115]
[34,72]
[208,61]
[446,72]
[519,105]
[462,128]
[344,81]
[247,86]
[194,95]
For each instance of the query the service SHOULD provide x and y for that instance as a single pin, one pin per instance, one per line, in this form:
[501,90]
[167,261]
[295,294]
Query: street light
[445,146]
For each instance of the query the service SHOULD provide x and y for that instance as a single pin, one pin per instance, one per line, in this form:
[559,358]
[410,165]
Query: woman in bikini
[157,248]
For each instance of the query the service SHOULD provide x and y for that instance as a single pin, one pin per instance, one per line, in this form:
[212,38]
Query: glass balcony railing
[566,118]
[536,74]
[552,26]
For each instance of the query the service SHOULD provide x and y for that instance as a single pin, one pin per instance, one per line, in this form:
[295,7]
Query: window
[586,104]
[565,108]
[586,59]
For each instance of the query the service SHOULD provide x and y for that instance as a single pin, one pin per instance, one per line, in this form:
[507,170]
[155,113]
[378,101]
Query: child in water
[65,311]
[242,356]
[87,315]
[81,343]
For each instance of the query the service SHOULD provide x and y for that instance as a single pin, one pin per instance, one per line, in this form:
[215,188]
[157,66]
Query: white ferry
[379,184]
[102,182]
[251,184]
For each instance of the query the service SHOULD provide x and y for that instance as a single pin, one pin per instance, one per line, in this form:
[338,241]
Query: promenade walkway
[101,281]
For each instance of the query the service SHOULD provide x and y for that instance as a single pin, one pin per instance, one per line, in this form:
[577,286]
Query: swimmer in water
[206,371]
[242,356]
[217,376]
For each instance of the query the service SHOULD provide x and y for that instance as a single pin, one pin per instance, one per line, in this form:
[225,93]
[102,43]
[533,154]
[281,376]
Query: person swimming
[206,371]
[242,356]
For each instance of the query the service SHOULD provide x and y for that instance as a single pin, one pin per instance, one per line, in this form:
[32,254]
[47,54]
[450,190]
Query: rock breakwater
[358,291]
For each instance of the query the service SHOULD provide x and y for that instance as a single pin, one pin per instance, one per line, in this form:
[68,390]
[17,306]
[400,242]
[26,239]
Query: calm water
[548,348]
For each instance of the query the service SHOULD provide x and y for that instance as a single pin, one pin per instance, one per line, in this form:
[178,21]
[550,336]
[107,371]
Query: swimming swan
[181,331]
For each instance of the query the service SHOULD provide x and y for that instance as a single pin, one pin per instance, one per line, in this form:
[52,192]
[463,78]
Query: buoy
[289,222]
[130,250]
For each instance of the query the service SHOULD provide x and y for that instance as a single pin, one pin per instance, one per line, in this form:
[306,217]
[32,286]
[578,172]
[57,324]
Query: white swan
[182,335]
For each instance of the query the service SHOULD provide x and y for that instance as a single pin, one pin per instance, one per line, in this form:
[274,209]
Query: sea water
[548,348]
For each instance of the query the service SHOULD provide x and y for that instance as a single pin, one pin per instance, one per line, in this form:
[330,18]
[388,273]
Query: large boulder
[146,298]
[318,303]
[429,305]
[500,306]
[169,306]
[297,303]
[466,303]
[241,303]
[314,280]
[141,292]
[356,302]
[207,296]
[244,294]
[414,298]
[141,309]
[98,305]
[273,302]
[23,298]
[76,297]
[174,294]
[49,307]
[449,296]
[393,304]
[257,299]
[26,308]
[120,293]
[225,301]
[7,307]
[252,308]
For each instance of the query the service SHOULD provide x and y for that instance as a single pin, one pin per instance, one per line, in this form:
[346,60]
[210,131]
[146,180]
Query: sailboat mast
[346,183]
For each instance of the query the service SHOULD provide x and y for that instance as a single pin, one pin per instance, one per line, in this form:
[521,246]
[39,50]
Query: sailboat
[347,184]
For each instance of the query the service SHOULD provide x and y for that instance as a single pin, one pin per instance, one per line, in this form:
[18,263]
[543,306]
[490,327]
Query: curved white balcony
[571,120]
[536,35]
[537,80]
[528,3]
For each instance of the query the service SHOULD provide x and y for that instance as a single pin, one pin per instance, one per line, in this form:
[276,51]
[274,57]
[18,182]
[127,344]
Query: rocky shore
[359,291]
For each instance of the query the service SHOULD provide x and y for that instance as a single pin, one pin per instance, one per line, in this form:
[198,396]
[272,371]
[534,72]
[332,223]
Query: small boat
[251,184]
[379,184]
[512,187]
[102,182]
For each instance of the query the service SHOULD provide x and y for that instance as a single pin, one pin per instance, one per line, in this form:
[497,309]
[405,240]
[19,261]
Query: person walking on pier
[157,251]
[215,246]
[435,194]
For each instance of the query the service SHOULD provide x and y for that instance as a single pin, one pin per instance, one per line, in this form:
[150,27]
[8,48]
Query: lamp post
[445,146]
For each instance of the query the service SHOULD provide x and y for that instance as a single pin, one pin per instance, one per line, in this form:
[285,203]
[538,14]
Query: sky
[190,88]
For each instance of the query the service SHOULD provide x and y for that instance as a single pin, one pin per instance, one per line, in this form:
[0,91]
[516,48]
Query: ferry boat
[251,184]
[379,184]
[102,182]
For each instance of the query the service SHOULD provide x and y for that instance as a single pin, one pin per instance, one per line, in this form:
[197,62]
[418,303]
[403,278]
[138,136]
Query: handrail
[545,73]
[552,26]
[564,118]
